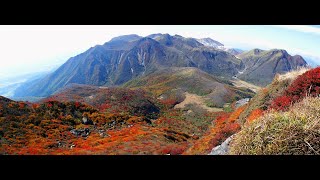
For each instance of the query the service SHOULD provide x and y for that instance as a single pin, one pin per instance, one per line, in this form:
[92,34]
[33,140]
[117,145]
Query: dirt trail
[195,99]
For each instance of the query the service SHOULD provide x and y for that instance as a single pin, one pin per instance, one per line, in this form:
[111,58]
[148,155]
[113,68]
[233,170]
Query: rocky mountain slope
[131,57]
[128,57]
[261,66]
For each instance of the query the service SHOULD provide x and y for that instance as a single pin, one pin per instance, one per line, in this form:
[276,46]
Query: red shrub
[77,104]
[104,107]
[281,103]
[305,84]
[49,105]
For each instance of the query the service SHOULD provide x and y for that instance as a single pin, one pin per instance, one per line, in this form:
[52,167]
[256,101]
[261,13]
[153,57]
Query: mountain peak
[210,42]
[154,36]
[282,51]
[257,51]
[128,38]
[146,39]
[164,39]
[178,36]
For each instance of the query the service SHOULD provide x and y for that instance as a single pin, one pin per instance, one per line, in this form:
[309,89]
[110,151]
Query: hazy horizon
[27,49]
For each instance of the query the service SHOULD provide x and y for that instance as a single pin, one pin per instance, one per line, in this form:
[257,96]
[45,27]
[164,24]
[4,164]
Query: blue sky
[25,49]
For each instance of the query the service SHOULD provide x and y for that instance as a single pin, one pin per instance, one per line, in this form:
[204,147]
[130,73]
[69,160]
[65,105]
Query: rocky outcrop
[242,102]
[81,132]
[222,149]
[87,121]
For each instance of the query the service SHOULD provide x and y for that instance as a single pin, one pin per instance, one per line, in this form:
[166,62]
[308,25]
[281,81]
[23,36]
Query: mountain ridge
[118,61]
[131,56]
[262,65]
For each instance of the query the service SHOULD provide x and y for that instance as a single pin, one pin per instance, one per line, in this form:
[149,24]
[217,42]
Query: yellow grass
[240,83]
[294,132]
[198,100]
[293,74]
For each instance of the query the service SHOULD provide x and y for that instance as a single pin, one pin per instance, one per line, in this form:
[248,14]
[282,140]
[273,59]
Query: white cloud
[301,28]
[28,48]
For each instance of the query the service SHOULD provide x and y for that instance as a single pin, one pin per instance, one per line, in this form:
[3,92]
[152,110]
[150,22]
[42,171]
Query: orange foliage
[35,106]
[21,105]
[224,126]
[235,115]
[49,128]
[255,114]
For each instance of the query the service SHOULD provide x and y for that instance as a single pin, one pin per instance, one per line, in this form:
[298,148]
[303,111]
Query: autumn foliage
[48,127]
[223,126]
[307,84]
[255,114]
[120,121]
[111,100]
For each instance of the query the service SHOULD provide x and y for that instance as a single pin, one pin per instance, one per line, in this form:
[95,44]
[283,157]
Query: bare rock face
[242,102]
[81,132]
[222,149]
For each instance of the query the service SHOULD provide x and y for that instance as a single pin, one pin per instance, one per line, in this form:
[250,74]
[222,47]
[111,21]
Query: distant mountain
[210,42]
[215,44]
[126,38]
[311,61]
[234,51]
[261,66]
[128,57]
[9,85]
[8,90]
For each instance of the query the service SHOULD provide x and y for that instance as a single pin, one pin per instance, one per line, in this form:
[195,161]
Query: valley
[157,95]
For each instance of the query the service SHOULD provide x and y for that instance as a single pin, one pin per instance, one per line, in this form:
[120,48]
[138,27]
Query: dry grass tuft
[295,132]
[293,74]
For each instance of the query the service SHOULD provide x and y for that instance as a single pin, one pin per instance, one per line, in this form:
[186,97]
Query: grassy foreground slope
[296,131]
[263,99]
[288,121]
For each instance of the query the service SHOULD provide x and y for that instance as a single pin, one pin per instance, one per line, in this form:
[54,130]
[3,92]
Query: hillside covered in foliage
[283,118]
[142,118]
[114,121]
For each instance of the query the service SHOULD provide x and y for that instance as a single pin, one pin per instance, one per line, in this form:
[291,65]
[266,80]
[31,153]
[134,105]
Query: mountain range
[130,57]
[166,95]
